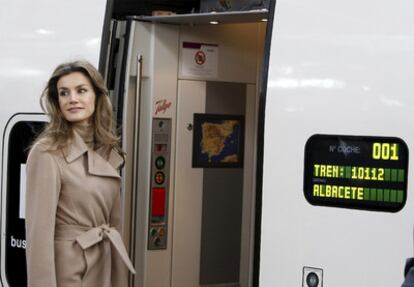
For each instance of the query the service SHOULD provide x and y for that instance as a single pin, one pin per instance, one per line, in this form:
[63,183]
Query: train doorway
[186,91]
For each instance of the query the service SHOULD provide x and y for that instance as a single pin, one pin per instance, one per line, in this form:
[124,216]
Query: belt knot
[97,234]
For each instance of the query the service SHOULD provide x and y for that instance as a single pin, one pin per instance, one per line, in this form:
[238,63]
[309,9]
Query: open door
[187,94]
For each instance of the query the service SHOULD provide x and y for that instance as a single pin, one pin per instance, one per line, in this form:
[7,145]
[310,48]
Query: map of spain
[218,141]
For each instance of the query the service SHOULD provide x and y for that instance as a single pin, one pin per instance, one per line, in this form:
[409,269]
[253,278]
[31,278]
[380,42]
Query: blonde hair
[58,132]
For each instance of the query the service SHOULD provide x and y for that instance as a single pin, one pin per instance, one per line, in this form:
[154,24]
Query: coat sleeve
[119,272]
[42,192]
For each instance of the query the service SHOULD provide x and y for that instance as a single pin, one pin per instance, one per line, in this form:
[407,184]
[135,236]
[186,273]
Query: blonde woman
[73,215]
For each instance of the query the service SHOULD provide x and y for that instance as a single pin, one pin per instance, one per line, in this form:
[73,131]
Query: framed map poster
[218,140]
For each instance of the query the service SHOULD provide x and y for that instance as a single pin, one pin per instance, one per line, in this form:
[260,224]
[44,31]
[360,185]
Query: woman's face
[76,98]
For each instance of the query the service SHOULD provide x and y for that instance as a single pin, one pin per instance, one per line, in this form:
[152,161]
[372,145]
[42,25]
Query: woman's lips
[74,109]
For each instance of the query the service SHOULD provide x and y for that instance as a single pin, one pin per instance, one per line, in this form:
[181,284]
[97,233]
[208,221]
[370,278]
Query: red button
[159,177]
[158,202]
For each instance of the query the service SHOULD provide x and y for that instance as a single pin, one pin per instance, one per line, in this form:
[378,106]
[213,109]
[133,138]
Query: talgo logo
[17,243]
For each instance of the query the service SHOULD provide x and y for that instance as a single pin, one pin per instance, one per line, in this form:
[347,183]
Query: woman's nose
[73,97]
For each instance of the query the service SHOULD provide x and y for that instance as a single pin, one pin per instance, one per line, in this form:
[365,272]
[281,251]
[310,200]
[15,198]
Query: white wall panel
[237,48]
[335,68]
[36,36]
[188,189]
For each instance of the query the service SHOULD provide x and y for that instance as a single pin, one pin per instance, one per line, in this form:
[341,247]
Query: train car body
[338,70]
[34,38]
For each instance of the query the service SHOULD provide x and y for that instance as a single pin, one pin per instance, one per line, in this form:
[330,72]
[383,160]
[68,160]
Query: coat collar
[97,164]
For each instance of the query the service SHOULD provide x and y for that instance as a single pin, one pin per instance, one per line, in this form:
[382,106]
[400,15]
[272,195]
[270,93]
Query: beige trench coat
[73,218]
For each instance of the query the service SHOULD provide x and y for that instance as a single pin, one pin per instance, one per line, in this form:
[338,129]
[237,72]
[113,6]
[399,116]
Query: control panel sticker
[362,172]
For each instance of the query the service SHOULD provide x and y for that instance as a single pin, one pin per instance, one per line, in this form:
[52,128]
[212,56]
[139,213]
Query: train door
[187,94]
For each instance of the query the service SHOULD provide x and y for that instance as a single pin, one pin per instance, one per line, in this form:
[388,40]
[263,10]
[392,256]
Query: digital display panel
[362,172]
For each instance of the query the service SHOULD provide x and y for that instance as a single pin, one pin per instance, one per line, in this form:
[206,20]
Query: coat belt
[89,236]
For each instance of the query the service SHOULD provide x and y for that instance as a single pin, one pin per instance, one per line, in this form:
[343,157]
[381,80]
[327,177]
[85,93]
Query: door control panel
[159,187]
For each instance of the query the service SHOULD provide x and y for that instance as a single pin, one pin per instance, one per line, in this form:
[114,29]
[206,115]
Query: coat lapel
[97,165]
[115,159]
[75,149]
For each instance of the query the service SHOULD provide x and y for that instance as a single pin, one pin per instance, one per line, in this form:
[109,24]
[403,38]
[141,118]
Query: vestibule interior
[209,226]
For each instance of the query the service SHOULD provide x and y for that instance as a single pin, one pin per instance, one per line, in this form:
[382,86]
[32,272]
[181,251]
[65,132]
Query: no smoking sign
[199,60]
[200,57]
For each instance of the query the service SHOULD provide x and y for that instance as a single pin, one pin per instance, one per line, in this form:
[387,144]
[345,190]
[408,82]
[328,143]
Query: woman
[73,208]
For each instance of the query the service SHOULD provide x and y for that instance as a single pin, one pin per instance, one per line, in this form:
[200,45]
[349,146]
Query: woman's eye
[82,91]
[63,93]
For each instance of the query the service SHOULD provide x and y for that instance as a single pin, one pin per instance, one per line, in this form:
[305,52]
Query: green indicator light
[401,175]
[341,171]
[380,195]
[153,231]
[160,162]
[366,193]
[393,197]
[373,194]
[400,196]
[386,195]
[387,174]
[348,172]
[394,174]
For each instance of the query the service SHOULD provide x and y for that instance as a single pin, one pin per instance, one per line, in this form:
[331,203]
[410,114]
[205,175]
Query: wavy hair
[58,132]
